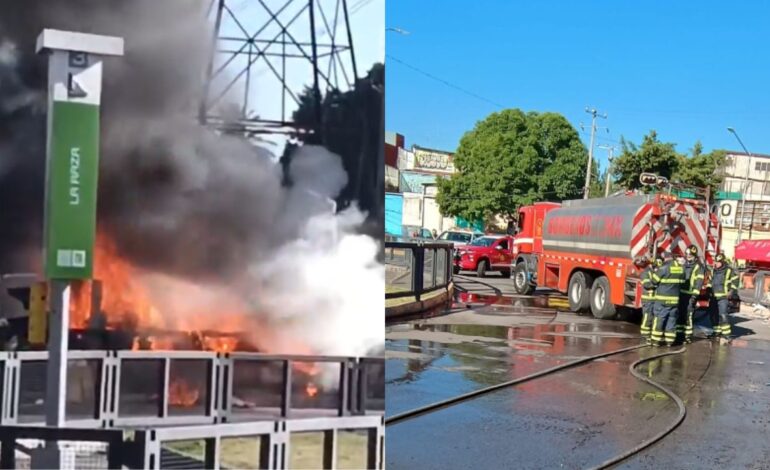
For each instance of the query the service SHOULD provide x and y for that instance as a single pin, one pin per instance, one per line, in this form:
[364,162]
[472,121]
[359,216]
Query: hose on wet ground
[407,415]
[668,430]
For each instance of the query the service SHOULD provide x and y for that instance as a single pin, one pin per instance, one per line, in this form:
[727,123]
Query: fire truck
[585,248]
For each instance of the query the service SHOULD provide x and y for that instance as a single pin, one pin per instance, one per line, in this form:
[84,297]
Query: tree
[653,156]
[352,127]
[701,169]
[513,158]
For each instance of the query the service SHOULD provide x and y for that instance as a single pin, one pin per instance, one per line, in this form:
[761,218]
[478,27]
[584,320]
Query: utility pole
[610,149]
[594,114]
[745,185]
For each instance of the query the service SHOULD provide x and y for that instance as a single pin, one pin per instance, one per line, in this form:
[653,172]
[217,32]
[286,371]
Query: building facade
[744,176]
[419,169]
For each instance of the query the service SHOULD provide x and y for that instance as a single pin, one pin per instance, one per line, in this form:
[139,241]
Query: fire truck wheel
[481,269]
[521,283]
[579,291]
[601,307]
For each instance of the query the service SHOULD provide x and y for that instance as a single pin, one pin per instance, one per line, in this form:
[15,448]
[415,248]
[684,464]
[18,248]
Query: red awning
[753,250]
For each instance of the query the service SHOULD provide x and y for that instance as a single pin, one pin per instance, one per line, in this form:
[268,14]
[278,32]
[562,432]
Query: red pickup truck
[484,254]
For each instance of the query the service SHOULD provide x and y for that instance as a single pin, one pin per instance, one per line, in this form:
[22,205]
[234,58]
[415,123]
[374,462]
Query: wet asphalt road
[579,417]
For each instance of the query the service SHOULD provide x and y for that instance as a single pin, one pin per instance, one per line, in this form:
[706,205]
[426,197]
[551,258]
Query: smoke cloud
[187,205]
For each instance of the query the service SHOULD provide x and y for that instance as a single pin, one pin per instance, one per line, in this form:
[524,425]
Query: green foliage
[598,179]
[513,158]
[701,169]
[653,156]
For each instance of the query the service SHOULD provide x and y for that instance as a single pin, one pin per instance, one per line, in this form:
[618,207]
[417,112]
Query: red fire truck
[586,248]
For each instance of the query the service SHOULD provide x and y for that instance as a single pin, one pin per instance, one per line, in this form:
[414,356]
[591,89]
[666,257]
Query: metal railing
[262,444]
[416,268]
[108,389]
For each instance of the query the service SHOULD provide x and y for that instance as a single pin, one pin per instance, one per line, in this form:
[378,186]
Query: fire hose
[411,414]
[652,440]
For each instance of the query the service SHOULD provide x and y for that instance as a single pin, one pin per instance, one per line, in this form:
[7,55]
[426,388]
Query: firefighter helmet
[641,262]
[720,258]
[692,250]
[658,261]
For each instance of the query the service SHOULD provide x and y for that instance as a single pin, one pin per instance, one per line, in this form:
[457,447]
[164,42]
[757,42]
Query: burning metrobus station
[108,374]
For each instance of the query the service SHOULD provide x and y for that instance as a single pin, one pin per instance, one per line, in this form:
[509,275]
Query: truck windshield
[483,241]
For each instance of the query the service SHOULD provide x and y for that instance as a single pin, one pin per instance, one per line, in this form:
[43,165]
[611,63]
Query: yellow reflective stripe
[655,277]
[672,281]
[699,276]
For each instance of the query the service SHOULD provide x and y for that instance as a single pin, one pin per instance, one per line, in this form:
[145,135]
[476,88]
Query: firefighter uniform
[724,281]
[668,281]
[693,283]
[648,300]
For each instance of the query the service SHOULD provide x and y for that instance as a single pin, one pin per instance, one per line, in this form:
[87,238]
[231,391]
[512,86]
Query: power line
[598,137]
[445,82]
[359,6]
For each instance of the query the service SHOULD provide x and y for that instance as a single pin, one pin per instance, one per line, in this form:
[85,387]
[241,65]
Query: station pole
[72,166]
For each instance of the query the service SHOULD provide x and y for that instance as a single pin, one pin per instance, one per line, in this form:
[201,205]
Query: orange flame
[123,300]
[128,302]
[311,389]
[219,344]
[180,393]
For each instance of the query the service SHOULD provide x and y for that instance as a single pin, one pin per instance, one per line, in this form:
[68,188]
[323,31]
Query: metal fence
[413,269]
[339,442]
[755,286]
[107,389]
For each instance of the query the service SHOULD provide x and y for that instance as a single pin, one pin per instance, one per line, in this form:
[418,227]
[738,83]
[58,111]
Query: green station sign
[73,168]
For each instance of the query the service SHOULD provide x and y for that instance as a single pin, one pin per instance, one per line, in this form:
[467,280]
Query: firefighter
[693,283]
[667,280]
[724,284]
[648,296]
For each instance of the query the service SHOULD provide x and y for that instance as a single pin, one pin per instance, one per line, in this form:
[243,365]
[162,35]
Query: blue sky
[686,69]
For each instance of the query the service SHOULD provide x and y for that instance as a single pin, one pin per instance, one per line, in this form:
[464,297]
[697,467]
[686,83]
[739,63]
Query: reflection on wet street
[576,418]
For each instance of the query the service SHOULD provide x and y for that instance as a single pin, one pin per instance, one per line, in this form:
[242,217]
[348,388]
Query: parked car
[459,237]
[484,254]
[420,233]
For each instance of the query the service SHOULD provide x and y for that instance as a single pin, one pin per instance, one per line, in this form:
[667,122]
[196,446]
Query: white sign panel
[728,212]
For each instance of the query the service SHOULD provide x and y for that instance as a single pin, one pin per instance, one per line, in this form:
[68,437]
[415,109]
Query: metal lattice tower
[267,53]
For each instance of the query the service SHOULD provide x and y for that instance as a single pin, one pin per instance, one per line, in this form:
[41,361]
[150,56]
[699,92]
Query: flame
[311,389]
[155,307]
[123,300]
[220,344]
[129,303]
[180,393]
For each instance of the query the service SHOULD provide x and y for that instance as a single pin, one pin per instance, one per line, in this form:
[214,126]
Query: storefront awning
[753,250]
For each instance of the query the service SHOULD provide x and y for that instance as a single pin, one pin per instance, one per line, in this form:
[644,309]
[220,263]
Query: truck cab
[528,243]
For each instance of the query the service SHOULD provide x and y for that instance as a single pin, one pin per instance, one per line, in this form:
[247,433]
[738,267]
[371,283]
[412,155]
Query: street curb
[421,306]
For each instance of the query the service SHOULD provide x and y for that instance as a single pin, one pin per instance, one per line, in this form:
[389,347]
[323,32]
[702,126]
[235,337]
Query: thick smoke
[181,201]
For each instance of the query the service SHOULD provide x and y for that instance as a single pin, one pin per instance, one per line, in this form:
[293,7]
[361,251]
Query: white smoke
[326,288]
[320,292]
